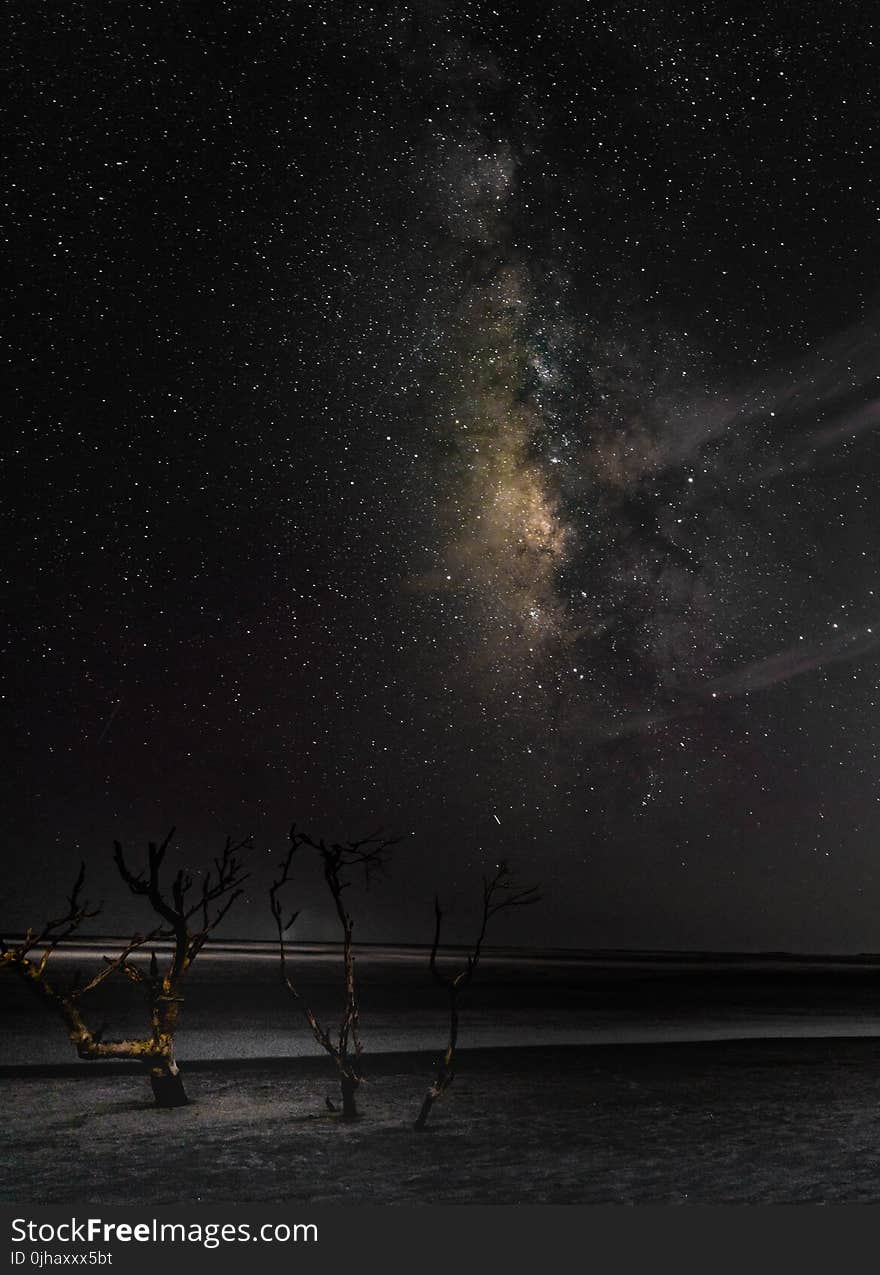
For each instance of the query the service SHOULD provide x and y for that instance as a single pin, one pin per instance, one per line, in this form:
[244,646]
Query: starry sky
[458,420]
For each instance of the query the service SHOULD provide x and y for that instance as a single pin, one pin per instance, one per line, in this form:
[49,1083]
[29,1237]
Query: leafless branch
[112,964]
[500,892]
[338,860]
[175,911]
[56,930]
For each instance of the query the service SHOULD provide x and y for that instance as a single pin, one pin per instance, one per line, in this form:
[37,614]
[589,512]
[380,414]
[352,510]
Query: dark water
[236,1007]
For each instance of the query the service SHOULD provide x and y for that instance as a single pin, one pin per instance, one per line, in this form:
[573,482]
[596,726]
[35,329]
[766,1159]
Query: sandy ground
[571,1088]
[747,1122]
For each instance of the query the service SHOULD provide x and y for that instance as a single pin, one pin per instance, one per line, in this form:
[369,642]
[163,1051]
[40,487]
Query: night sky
[458,420]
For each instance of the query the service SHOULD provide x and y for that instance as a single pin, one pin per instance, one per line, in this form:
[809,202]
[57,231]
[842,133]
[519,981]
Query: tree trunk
[349,1108]
[426,1110]
[446,1070]
[167,1084]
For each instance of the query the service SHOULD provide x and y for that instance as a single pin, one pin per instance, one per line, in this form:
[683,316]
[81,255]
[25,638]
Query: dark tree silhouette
[210,903]
[30,957]
[338,861]
[499,893]
[219,890]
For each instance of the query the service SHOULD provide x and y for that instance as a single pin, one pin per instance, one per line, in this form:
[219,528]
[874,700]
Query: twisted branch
[338,860]
[500,892]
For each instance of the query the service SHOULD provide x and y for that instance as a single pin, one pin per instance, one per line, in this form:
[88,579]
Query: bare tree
[29,959]
[219,890]
[210,903]
[338,860]
[499,893]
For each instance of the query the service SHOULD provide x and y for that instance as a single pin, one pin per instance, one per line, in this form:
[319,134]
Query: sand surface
[754,1122]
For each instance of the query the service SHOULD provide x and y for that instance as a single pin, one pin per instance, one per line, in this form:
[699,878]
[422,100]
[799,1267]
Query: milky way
[503,540]
[586,461]
[557,534]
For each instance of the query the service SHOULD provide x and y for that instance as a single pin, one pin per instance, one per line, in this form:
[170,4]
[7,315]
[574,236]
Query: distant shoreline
[602,957]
